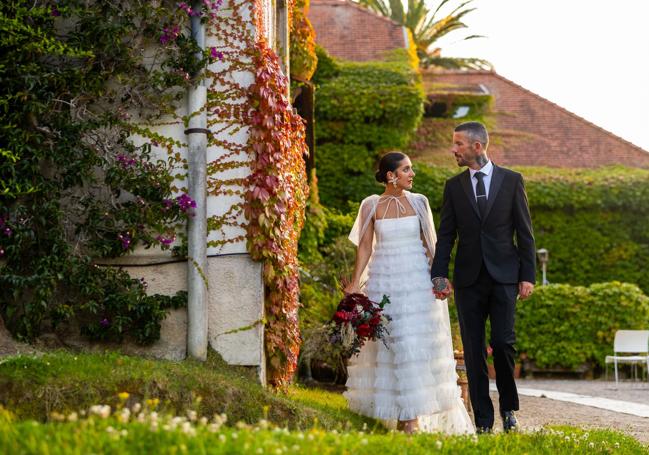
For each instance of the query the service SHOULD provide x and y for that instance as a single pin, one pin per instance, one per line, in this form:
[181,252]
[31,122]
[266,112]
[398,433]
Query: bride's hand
[352,289]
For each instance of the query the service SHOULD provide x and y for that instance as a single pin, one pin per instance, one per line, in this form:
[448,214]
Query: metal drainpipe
[197,226]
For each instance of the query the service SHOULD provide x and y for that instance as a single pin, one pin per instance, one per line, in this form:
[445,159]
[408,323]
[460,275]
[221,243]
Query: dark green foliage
[362,110]
[566,326]
[72,184]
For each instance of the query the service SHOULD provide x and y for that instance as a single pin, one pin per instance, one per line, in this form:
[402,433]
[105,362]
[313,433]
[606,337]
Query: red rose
[342,316]
[363,330]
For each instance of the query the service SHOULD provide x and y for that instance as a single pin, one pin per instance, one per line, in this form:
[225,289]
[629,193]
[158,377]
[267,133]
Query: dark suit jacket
[490,239]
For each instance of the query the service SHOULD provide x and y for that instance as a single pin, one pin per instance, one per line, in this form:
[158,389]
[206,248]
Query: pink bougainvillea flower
[166,240]
[125,238]
[215,54]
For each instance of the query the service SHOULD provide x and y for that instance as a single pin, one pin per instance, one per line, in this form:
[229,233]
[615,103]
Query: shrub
[566,326]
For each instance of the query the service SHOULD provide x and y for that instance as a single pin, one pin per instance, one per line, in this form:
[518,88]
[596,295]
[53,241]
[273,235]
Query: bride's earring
[394,181]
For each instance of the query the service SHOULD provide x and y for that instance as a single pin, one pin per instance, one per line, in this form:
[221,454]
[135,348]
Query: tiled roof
[529,130]
[351,32]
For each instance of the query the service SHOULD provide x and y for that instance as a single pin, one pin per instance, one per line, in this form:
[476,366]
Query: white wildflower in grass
[365,426]
[617,445]
[110,430]
[259,450]
[137,407]
[213,427]
[222,438]
[438,444]
[300,435]
[188,429]
[591,444]
[474,439]
[124,415]
[101,410]
[191,415]
[263,423]
[124,433]
[364,442]
[153,426]
[73,417]
[202,421]
[141,417]
[57,417]
[153,416]
[295,448]
[234,435]
[567,438]
[310,437]
[177,421]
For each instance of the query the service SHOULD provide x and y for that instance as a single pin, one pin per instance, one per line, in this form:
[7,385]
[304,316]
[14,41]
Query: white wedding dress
[414,377]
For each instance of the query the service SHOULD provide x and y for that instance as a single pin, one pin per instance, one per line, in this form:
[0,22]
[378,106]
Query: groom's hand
[442,287]
[525,289]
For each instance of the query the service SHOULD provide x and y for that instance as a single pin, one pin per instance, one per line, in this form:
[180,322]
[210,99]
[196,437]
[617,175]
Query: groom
[485,207]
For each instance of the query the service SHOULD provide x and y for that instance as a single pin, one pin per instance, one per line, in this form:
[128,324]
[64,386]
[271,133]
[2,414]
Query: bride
[413,381]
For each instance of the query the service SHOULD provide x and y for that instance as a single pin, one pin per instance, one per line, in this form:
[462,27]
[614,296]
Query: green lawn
[34,387]
[169,407]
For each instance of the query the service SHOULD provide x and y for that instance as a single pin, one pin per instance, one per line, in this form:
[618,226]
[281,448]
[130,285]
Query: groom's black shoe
[509,421]
[483,430]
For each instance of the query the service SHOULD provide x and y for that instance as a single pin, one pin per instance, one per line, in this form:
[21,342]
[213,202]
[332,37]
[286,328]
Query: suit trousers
[484,299]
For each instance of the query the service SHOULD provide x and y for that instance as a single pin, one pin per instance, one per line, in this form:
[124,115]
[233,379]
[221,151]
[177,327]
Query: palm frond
[424,23]
[457,63]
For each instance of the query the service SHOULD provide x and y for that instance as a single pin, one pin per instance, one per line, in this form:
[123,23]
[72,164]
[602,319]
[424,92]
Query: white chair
[634,342]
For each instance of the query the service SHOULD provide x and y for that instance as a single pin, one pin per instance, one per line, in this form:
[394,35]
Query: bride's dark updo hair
[389,163]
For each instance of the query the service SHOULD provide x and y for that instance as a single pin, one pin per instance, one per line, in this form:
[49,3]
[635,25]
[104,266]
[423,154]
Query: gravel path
[536,412]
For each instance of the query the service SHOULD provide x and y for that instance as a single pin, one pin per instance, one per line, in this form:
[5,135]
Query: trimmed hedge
[362,110]
[566,326]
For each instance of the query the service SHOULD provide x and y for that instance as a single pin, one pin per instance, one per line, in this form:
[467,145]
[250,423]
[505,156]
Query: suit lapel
[494,187]
[465,179]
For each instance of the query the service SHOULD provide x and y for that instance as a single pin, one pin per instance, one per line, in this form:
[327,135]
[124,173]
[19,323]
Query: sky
[591,57]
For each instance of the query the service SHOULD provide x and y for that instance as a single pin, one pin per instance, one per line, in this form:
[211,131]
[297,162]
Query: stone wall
[235,306]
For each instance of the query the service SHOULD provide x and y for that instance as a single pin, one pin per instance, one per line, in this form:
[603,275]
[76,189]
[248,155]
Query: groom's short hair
[476,132]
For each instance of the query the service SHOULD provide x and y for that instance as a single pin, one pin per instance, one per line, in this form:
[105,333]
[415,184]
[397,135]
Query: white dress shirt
[487,170]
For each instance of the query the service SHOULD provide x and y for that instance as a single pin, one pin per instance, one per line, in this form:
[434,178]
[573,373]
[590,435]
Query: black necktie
[481,194]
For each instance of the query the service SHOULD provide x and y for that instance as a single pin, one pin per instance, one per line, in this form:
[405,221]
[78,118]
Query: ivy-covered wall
[72,184]
[362,110]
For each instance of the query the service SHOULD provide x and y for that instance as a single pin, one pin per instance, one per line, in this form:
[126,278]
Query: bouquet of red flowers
[356,320]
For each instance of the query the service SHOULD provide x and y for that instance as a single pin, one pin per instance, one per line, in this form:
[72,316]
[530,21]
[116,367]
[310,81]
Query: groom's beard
[461,162]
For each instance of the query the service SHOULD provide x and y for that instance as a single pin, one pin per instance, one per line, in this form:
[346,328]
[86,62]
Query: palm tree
[427,27]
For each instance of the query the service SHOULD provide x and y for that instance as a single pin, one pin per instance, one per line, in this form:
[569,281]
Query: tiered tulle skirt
[414,376]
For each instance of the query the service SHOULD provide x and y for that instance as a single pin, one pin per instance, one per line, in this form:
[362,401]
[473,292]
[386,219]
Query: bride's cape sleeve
[363,219]
[361,225]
